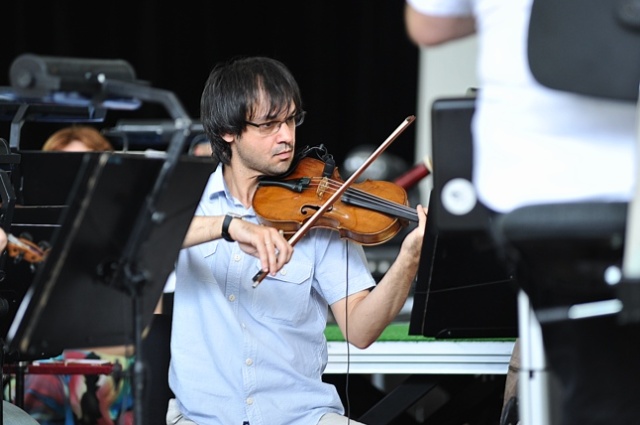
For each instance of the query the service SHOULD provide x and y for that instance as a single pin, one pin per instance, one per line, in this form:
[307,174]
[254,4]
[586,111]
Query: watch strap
[225,228]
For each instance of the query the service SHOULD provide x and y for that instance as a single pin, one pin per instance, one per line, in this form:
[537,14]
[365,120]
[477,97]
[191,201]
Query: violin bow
[338,193]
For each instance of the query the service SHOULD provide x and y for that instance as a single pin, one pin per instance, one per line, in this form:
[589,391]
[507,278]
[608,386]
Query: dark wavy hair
[232,92]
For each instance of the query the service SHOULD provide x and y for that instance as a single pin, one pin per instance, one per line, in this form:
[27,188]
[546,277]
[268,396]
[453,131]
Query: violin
[369,213]
[23,249]
[327,189]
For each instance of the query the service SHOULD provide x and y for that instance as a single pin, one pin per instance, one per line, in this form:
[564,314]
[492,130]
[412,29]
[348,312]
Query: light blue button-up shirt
[257,354]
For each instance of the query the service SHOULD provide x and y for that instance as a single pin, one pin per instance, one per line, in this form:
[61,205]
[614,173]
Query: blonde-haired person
[77,138]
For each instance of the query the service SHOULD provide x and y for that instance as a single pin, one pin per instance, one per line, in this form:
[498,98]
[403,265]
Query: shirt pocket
[200,265]
[285,297]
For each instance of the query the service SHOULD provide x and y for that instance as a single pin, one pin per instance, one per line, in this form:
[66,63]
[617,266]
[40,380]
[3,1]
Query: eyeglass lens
[272,127]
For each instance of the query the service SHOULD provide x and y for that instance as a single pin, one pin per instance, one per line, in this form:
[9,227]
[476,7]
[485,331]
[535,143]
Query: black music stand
[92,290]
[123,228]
[463,289]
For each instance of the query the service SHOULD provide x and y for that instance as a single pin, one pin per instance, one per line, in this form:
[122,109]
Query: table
[429,363]
[427,357]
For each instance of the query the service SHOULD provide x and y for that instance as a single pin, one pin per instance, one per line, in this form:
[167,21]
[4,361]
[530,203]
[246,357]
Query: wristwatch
[225,226]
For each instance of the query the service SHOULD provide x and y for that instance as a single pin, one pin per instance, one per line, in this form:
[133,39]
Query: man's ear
[228,137]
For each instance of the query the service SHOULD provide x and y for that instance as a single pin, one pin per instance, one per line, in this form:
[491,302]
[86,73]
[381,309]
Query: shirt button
[232,297]
[248,362]
[236,257]
[283,272]
[250,400]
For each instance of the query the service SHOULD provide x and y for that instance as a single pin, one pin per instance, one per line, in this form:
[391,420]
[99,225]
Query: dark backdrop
[355,65]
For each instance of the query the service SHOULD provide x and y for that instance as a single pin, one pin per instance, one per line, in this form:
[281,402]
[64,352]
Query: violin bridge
[322,187]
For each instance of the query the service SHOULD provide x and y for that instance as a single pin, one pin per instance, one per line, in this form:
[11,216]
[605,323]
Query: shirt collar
[216,186]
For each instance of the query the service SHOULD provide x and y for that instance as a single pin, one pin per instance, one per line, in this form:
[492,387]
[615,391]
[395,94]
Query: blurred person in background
[517,126]
[77,138]
[200,146]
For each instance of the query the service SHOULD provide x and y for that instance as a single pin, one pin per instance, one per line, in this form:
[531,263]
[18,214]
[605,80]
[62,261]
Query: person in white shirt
[535,145]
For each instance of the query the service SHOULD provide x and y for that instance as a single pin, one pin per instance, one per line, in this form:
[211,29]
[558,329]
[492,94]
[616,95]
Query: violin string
[393,208]
[400,210]
[366,200]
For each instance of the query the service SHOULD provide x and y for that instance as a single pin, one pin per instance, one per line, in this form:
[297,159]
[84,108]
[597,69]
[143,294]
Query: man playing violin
[247,354]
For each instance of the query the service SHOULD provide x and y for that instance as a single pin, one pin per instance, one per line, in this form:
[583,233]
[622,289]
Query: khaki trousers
[175,417]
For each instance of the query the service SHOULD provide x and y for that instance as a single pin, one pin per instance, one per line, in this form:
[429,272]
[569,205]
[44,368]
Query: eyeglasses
[270,128]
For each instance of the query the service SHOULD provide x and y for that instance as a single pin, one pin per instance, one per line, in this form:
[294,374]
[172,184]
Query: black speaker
[456,207]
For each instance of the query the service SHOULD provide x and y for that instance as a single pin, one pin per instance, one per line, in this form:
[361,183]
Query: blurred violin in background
[23,249]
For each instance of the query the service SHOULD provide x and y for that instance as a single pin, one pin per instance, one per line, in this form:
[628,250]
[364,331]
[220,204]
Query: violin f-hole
[312,209]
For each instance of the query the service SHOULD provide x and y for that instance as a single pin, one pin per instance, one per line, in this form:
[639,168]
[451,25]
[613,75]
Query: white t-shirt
[533,144]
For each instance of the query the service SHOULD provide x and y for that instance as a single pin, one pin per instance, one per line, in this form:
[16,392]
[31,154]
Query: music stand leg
[139,367]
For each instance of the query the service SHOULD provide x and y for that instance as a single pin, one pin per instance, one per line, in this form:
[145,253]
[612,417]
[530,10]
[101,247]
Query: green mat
[394,332]
[399,331]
